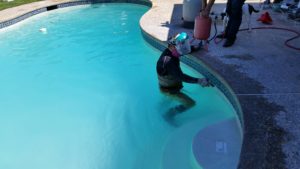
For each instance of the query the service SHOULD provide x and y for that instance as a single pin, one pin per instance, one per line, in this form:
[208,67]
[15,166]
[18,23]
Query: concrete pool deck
[11,13]
[262,72]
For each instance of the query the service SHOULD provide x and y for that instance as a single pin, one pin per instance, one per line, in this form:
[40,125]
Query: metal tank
[191,8]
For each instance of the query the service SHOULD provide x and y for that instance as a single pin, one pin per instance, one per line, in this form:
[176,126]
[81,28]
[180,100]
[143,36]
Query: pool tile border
[216,80]
[69,4]
[75,3]
[22,17]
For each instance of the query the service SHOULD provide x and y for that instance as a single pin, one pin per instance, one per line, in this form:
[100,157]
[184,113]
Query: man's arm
[177,73]
[189,79]
[206,7]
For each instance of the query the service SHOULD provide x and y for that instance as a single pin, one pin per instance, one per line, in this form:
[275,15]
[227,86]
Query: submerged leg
[186,103]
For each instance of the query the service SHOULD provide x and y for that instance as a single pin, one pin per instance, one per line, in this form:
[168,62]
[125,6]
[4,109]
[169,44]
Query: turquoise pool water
[84,94]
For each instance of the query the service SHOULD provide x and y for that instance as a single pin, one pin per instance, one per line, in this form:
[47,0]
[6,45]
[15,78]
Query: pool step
[213,147]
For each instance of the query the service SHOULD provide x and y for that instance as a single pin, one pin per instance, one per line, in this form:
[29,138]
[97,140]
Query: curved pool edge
[208,72]
[205,70]
[190,60]
[194,63]
[14,15]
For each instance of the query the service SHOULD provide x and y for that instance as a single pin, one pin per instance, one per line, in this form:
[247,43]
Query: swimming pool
[84,94]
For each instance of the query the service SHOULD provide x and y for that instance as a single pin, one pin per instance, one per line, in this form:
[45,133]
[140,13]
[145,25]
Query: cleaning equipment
[190,9]
[286,4]
[265,5]
[265,18]
[202,28]
[294,12]
[202,25]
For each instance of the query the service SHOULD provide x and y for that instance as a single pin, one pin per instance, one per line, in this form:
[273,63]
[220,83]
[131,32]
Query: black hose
[216,31]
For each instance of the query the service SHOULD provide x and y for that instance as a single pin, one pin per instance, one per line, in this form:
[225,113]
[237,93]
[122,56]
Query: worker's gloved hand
[204,82]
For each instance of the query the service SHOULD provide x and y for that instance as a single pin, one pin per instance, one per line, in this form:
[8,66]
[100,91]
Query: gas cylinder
[202,27]
[190,9]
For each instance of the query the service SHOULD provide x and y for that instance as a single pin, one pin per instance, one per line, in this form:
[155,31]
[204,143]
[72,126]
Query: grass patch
[5,5]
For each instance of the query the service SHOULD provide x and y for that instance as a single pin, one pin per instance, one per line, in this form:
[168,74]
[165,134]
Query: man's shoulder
[166,52]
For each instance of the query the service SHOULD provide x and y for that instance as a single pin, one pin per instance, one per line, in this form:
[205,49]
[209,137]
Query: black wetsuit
[170,75]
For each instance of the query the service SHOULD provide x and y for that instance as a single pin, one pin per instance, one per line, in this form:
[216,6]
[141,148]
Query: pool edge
[190,60]
[57,5]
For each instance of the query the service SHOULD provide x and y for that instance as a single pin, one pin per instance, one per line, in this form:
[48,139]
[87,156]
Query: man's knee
[186,100]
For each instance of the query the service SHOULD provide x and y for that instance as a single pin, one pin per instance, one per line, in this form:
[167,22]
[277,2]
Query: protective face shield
[182,43]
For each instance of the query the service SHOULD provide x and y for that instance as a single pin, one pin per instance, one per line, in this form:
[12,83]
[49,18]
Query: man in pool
[170,75]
